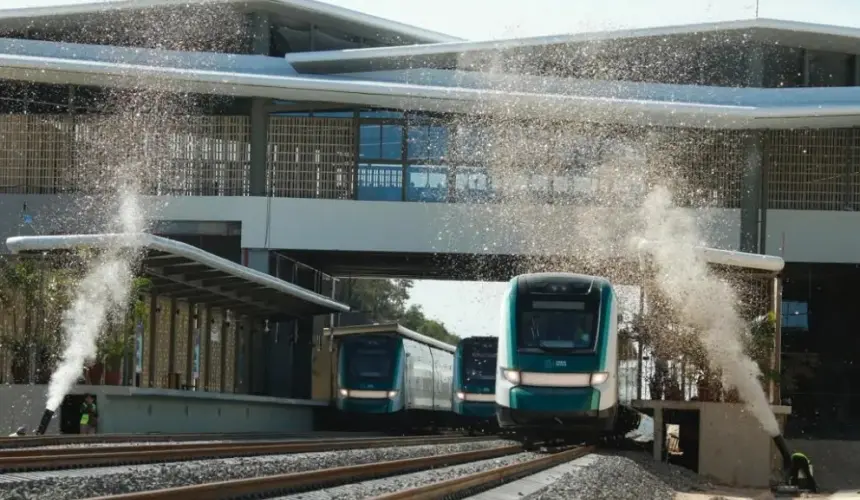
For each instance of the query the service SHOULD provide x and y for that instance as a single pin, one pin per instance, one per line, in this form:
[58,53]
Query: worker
[801,473]
[89,415]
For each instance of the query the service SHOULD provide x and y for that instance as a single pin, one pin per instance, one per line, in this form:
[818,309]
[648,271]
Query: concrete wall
[134,410]
[814,236]
[22,405]
[309,224]
[733,448]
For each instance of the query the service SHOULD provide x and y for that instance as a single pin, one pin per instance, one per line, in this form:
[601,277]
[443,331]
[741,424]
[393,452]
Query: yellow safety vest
[85,418]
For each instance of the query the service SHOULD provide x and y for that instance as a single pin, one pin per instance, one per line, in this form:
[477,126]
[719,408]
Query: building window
[795,315]
[380,182]
[783,67]
[830,69]
[380,142]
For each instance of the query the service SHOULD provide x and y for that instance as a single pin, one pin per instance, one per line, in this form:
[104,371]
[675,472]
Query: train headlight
[392,394]
[599,378]
[344,392]
[461,396]
[512,376]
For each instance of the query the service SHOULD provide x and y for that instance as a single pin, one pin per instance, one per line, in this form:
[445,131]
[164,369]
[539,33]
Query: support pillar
[223,337]
[207,348]
[190,345]
[751,187]
[259,146]
[752,179]
[171,356]
[261,34]
[153,334]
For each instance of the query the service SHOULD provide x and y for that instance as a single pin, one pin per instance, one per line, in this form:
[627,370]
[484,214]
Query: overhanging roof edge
[460,47]
[314,6]
[18,244]
[429,98]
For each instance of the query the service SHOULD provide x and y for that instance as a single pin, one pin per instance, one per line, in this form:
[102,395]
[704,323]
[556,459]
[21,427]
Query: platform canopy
[187,272]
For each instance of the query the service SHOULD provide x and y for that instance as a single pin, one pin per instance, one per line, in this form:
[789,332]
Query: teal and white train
[558,358]
[393,376]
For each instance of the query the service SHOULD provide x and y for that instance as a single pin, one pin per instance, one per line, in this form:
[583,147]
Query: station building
[326,142]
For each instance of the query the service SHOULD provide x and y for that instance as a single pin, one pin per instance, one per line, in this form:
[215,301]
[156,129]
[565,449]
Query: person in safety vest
[89,415]
[801,473]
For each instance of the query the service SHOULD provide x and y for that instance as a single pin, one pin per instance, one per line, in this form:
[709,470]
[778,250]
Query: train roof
[392,329]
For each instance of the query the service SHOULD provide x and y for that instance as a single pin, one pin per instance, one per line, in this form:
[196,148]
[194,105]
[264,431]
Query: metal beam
[307,106]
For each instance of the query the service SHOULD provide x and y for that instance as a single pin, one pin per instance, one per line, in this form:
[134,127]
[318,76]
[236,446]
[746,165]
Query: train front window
[479,363]
[558,325]
[370,359]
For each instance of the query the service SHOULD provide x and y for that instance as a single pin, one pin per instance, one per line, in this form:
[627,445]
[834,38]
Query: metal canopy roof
[458,53]
[187,272]
[63,14]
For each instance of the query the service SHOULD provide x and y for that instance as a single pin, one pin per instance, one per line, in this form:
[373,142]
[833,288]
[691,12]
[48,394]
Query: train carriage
[389,376]
[475,383]
[558,358]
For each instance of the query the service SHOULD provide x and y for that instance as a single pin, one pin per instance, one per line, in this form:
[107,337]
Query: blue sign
[196,360]
[138,347]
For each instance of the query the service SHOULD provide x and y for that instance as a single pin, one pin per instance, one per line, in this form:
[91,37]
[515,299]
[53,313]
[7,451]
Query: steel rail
[466,485]
[26,452]
[66,439]
[302,481]
[76,458]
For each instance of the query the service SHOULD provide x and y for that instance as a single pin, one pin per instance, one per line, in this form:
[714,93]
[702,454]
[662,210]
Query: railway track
[83,439]
[271,486]
[25,460]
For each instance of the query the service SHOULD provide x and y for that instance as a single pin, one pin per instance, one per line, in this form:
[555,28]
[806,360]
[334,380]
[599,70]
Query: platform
[133,410]
[733,449]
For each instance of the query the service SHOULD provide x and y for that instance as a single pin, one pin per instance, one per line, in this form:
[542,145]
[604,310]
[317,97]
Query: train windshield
[370,358]
[479,361]
[553,325]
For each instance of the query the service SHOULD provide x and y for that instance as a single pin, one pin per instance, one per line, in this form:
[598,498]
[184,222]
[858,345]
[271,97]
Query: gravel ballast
[86,483]
[376,487]
[622,476]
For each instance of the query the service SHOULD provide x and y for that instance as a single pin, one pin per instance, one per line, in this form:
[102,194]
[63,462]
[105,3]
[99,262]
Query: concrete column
[259,146]
[171,356]
[253,360]
[153,334]
[223,336]
[207,348]
[239,358]
[751,185]
[190,344]
[261,42]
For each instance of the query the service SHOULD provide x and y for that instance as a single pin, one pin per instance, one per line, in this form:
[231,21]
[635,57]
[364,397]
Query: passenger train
[389,376]
[558,359]
[475,383]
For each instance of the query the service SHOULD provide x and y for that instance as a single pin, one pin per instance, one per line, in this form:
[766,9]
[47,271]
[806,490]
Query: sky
[473,308]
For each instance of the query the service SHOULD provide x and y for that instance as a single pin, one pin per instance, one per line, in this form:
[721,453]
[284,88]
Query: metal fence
[475,161]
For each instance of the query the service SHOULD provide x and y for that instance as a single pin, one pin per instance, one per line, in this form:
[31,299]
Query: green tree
[414,319]
[385,300]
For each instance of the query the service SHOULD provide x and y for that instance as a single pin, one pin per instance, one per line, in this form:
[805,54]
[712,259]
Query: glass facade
[819,349]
